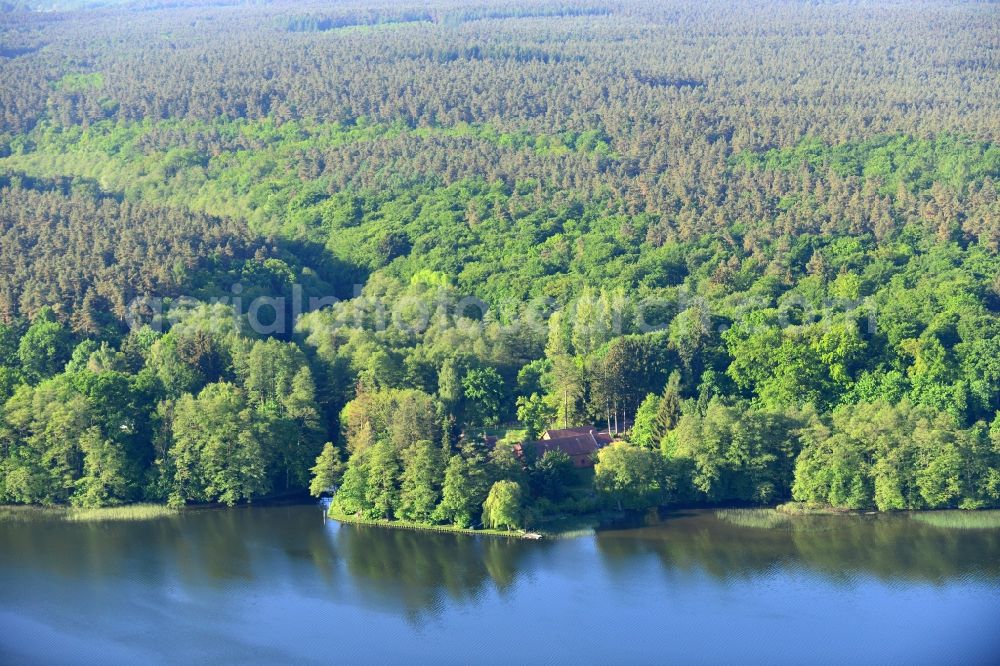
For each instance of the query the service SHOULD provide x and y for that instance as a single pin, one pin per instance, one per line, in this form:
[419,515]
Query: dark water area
[278,584]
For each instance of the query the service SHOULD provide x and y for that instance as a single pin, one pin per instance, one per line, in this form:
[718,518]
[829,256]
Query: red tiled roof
[603,438]
[580,445]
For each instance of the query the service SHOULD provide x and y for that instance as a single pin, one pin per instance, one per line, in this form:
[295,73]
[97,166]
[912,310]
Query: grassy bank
[406,525]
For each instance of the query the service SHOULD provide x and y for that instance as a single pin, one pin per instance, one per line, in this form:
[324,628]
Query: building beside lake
[580,444]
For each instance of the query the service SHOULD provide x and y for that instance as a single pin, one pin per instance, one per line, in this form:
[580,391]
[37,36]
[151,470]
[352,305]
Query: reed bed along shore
[120,513]
[29,514]
[128,512]
[759,518]
[960,520]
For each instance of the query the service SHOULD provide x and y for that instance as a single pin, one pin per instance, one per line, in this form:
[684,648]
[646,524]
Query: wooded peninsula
[487,264]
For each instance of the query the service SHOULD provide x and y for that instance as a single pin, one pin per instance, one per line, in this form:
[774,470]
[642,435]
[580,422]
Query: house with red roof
[580,444]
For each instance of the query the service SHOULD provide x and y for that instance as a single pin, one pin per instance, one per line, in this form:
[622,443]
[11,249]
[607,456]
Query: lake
[270,584]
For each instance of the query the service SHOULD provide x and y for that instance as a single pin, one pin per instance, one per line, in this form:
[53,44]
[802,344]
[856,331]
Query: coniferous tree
[420,482]
[328,471]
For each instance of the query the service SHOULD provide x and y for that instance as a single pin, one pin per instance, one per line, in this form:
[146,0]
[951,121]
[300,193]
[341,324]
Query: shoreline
[551,528]
[450,529]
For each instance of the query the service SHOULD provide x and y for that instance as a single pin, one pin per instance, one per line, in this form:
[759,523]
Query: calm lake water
[269,584]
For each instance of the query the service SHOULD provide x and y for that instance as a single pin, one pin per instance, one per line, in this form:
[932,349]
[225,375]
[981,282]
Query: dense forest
[253,248]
